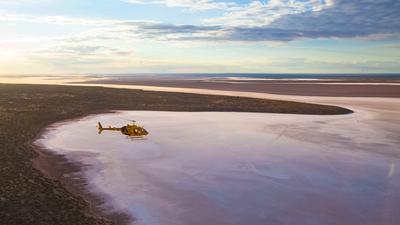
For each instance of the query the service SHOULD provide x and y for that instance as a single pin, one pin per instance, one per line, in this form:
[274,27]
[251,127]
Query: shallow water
[239,168]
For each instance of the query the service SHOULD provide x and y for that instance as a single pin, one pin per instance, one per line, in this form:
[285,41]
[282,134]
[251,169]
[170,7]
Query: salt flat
[243,168]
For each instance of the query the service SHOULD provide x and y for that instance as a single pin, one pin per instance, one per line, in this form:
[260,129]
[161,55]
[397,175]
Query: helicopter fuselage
[131,130]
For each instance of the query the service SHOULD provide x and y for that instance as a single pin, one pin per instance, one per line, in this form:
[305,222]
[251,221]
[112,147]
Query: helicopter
[131,130]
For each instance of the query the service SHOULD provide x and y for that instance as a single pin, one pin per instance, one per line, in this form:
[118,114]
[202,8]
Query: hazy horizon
[205,73]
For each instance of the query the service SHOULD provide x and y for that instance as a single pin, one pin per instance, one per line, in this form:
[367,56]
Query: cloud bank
[275,20]
[226,24]
[289,20]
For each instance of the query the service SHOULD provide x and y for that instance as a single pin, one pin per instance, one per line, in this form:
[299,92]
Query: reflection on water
[239,168]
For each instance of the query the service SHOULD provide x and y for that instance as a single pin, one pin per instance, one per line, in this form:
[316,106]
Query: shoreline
[319,88]
[70,173]
[362,115]
[119,219]
[27,110]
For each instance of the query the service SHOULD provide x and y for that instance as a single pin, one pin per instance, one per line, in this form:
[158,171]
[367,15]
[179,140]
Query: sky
[199,36]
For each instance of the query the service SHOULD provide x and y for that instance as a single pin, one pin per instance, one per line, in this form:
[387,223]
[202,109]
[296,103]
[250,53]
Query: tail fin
[99,127]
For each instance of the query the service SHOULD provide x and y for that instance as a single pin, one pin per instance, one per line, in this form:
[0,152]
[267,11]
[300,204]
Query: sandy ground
[240,168]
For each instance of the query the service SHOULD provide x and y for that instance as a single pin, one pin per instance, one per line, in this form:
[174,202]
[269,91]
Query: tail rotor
[100,127]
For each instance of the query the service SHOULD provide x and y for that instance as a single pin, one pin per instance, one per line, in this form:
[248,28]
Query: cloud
[128,44]
[259,13]
[275,20]
[344,19]
[287,20]
[194,5]
[58,20]
[82,50]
